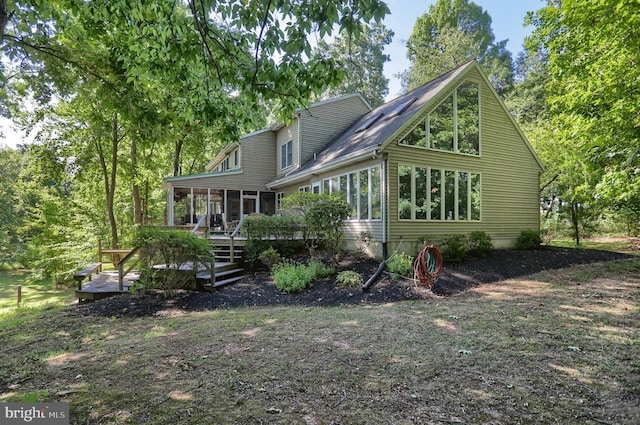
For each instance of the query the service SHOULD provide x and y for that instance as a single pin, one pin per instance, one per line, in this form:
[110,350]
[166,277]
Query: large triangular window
[453,125]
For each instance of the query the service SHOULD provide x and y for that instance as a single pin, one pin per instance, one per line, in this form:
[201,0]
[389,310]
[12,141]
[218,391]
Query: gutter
[286,180]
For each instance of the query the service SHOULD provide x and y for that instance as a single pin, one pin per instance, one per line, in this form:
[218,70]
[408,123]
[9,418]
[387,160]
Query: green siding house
[442,159]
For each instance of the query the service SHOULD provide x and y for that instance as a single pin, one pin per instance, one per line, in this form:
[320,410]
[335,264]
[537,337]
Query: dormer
[228,159]
[313,128]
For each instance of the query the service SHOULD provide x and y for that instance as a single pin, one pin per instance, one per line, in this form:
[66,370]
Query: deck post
[121,276]
[231,259]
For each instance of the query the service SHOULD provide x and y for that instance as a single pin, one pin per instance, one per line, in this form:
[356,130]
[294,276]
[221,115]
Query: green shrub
[529,239]
[172,250]
[252,250]
[480,243]
[293,277]
[270,257]
[453,248]
[324,216]
[400,264]
[349,279]
[272,227]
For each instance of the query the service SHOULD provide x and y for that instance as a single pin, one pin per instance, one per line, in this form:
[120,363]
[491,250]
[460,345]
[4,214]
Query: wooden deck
[103,285]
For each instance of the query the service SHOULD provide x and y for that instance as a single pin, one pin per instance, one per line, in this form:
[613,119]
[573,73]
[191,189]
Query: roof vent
[402,107]
[368,123]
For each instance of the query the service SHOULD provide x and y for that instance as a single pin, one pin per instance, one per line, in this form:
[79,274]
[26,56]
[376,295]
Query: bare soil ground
[258,289]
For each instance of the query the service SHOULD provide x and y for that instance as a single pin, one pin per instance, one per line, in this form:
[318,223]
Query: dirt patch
[258,289]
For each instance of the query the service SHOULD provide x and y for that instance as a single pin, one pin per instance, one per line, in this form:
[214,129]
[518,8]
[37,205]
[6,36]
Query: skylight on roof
[402,107]
[368,123]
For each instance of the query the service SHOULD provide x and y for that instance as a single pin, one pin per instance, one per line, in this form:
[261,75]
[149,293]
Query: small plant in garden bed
[349,279]
[294,277]
[400,264]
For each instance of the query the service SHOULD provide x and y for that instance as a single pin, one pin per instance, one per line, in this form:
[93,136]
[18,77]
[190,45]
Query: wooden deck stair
[222,250]
[225,273]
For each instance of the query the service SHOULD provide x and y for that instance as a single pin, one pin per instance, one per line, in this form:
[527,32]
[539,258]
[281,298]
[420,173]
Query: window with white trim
[435,194]
[362,190]
[453,125]
[286,155]
[279,198]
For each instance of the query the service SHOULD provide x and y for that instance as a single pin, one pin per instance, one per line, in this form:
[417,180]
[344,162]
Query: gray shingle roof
[371,130]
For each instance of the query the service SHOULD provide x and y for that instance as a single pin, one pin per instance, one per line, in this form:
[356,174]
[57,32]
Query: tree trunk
[4,18]
[109,178]
[176,158]
[111,193]
[575,222]
[135,188]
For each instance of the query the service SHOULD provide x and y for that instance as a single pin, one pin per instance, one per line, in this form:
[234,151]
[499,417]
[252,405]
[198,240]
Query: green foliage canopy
[593,53]
[362,60]
[451,33]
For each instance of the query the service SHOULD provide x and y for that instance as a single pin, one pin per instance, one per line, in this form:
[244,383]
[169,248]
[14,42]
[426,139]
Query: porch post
[191,210]
[170,195]
[225,206]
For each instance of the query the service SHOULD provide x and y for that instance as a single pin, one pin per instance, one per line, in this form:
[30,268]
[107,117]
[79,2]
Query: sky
[507,18]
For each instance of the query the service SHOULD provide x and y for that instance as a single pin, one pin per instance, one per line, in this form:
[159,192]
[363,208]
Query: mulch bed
[258,289]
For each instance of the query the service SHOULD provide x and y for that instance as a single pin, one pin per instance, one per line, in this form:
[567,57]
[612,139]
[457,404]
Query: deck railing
[201,220]
[231,241]
[121,264]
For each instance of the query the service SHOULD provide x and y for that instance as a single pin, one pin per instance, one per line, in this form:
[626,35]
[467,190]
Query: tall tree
[451,33]
[252,52]
[594,52]
[10,207]
[362,59]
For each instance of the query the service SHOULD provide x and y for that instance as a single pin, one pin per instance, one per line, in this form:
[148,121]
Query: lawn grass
[34,294]
[620,244]
[552,348]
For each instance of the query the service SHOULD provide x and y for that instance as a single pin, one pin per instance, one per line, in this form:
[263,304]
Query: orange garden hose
[428,265]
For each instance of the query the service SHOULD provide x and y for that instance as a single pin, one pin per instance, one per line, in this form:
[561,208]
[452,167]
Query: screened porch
[223,207]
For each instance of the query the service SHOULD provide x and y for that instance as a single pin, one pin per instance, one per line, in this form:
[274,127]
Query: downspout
[385,202]
[378,273]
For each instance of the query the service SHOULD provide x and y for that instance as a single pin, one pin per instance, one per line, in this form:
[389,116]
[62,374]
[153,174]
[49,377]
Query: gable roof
[374,130]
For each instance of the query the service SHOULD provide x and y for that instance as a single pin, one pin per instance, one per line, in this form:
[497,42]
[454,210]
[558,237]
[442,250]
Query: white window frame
[443,216]
[320,185]
[425,122]
[279,197]
[286,155]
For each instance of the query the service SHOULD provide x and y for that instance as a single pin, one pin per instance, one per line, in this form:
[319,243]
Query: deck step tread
[206,275]
[223,282]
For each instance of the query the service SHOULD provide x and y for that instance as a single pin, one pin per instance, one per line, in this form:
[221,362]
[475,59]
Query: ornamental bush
[480,243]
[453,248]
[324,217]
[169,251]
[529,239]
